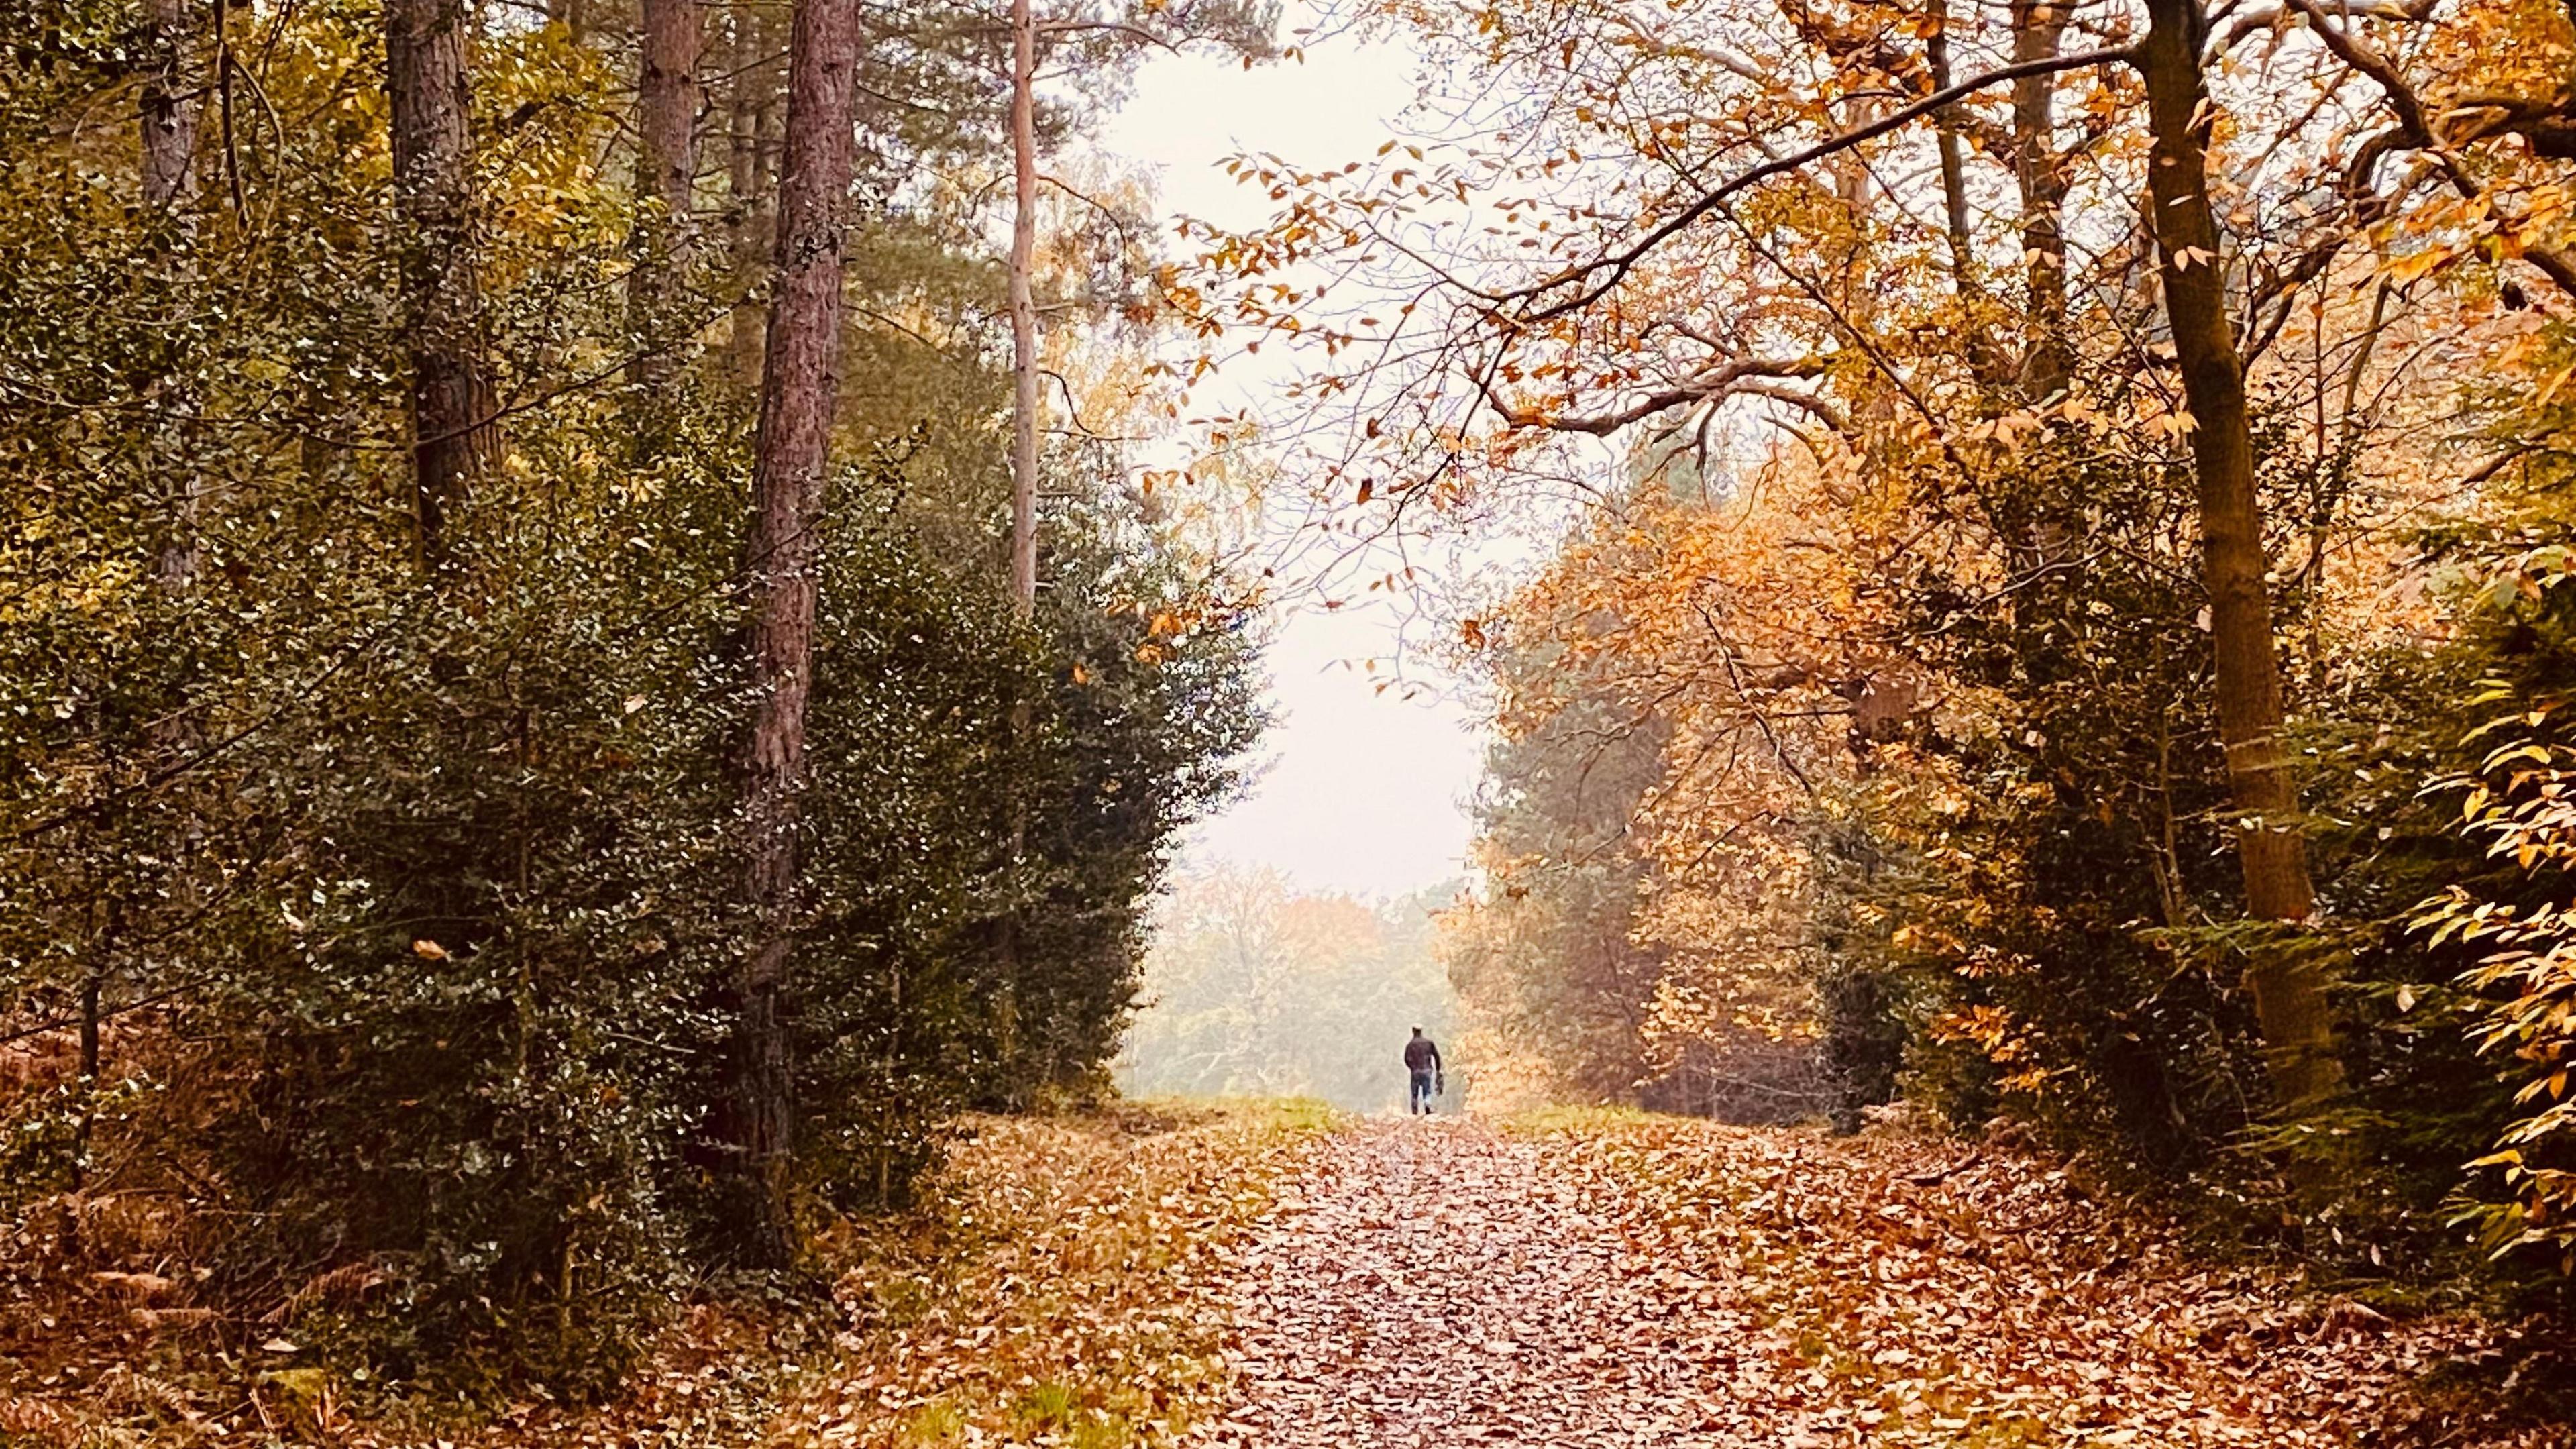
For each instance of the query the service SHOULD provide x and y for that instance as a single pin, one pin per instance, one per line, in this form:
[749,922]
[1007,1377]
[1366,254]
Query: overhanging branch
[1755,375]
[1611,270]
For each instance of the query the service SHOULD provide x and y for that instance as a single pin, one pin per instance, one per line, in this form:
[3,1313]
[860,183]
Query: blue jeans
[1421,1098]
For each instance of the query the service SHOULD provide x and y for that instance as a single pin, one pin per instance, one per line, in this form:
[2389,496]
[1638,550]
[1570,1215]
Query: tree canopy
[2053,532]
[611,616]
[432,848]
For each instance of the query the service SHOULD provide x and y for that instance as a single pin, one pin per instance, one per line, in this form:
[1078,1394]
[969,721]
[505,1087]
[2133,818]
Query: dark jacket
[1421,1056]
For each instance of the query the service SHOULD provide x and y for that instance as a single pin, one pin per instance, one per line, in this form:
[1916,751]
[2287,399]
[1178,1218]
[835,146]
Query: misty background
[1255,987]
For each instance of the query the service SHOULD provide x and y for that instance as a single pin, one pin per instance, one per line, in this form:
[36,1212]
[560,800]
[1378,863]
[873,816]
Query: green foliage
[400,907]
[2515,914]
[2085,830]
[945,732]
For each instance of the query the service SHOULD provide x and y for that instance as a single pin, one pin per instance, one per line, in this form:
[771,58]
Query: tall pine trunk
[800,382]
[666,168]
[2289,990]
[451,427]
[751,154]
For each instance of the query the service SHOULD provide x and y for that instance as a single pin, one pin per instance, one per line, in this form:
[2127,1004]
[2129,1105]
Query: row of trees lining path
[565,713]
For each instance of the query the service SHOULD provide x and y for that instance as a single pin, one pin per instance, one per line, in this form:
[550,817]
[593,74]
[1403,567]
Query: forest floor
[1614,1280]
[1276,1276]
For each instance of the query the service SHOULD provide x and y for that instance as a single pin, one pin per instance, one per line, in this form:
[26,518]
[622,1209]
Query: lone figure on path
[1422,1059]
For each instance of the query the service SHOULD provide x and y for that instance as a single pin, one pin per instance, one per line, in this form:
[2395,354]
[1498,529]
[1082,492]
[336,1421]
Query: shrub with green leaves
[374,922]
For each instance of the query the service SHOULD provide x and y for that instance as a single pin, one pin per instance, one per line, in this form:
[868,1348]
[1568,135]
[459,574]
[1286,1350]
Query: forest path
[1631,1283]
[1437,1283]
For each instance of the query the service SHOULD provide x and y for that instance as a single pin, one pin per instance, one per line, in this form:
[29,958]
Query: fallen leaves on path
[1439,1283]
[1246,1277]
[1635,1281]
[1070,1295]
[1056,1286]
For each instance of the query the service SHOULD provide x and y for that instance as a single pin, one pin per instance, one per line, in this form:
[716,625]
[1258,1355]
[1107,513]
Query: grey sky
[1363,790]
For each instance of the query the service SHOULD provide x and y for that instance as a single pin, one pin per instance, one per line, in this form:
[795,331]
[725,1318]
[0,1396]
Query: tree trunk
[169,108]
[1024,312]
[1991,365]
[1954,174]
[1024,484]
[666,168]
[800,382]
[750,163]
[451,427]
[169,150]
[2289,990]
[2048,363]
[84,1122]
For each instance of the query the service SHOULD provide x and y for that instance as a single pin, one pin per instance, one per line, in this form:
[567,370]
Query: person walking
[1422,1062]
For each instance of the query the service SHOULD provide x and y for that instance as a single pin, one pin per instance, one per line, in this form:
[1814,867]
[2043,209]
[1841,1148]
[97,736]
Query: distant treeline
[1255,988]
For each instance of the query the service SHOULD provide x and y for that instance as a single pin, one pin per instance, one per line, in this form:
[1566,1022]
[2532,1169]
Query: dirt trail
[1437,1283]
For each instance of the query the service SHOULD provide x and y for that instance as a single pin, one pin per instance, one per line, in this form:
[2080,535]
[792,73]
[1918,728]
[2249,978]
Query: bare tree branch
[1613,269]
[1737,375]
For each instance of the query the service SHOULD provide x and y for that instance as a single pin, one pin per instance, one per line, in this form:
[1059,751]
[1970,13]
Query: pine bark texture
[2289,990]
[800,386]
[451,425]
[666,168]
[751,164]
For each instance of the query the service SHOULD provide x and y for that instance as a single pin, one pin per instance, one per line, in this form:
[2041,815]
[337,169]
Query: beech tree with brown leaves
[2050,314]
